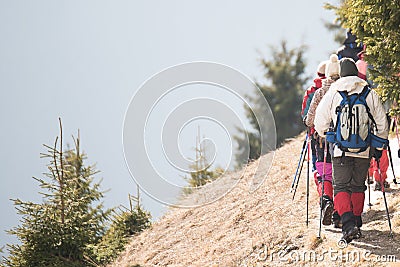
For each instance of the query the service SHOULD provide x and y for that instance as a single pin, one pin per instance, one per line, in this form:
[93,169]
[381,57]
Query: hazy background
[83,61]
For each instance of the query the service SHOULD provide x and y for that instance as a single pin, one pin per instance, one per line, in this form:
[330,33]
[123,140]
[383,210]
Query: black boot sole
[352,234]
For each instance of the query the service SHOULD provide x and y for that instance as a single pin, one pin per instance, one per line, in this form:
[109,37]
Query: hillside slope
[264,228]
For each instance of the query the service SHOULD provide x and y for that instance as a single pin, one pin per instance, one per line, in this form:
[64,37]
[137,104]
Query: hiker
[362,67]
[350,168]
[350,48]
[331,74]
[380,174]
[374,172]
[308,96]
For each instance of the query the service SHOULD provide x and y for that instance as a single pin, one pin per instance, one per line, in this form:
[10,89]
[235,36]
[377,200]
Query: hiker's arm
[304,103]
[379,115]
[323,114]
[309,121]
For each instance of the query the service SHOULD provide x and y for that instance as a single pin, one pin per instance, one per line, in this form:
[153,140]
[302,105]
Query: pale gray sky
[83,60]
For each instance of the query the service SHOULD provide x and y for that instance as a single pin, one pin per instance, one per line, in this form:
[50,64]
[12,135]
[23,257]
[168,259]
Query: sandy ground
[265,227]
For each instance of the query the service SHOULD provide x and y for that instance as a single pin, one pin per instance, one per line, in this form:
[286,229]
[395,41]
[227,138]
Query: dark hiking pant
[313,152]
[349,175]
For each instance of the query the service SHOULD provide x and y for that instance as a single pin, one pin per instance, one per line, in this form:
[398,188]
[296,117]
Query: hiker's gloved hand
[377,154]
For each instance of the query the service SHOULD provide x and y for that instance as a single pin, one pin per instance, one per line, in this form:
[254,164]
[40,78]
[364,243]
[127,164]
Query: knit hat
[332,67]
[321,68]
[348,67]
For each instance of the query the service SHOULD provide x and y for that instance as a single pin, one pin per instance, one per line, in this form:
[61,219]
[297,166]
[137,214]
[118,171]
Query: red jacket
[310,92]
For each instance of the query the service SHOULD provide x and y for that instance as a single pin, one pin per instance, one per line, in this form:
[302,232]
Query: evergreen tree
[283,90]
[60,230]
[125,224]
[338,32]
[336,28]
[376,24]
[201,173]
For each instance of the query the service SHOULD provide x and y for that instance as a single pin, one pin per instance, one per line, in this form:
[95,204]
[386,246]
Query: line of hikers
[348,129]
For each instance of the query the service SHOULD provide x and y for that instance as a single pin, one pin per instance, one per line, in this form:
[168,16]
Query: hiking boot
[386,184]
[358,221]
[349,228]
[337,221]
[351,234]
[378,185]
[359,234]
[327,210]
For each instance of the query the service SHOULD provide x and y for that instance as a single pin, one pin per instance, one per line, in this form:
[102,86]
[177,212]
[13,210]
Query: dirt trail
[265,228]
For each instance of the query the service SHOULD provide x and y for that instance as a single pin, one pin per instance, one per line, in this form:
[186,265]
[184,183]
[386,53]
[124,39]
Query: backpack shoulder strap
[339,108]
[344,94]
[364,94]
[365,91]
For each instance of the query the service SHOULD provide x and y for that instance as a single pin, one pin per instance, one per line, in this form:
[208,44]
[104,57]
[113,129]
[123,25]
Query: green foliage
[285,77]
[201,172]
[249,147]
[124,225]
[68,229]
[58,231]
[202,175]
[286,73]
[335,27]
[376,24]
[337,30]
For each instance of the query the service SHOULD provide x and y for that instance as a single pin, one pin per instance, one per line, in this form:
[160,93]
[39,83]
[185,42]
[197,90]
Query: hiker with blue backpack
[353,119]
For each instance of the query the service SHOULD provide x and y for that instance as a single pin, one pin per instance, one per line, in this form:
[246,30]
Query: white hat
[332,67]
[321,68]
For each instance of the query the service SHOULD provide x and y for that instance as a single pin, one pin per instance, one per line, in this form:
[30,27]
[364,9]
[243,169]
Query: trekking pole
[301,167]
[391,165]
[369,191]
[397,136]
[384,198]
[300,164]
[323,187]
[308,180]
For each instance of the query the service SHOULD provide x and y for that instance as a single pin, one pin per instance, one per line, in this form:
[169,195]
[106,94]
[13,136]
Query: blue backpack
[354,127]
